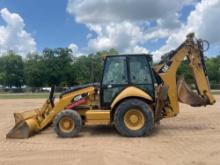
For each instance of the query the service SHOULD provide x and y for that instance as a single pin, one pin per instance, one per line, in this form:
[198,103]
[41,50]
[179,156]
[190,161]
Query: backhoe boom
[192,50]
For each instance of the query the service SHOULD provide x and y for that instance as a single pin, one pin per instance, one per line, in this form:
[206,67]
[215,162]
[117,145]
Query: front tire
[67,123]
[133,118]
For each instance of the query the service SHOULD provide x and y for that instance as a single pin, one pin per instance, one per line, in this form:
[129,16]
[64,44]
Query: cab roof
[148,56]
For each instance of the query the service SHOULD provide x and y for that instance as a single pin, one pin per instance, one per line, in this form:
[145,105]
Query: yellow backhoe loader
[132,95]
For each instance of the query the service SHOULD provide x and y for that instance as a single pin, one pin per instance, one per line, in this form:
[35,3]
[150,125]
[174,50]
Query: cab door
[141,74]
[115,78]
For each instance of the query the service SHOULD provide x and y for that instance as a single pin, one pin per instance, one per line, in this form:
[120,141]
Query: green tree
[11,70]
[213,69]
[82,70]
[34,71]
[89,68]
[58,66]
[212,66]
[184,71]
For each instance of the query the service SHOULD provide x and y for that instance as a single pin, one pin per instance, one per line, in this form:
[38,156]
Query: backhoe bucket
[187,96]
[25,125]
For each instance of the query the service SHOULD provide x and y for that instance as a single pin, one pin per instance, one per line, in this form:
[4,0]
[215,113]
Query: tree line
[61,67]
[212,67]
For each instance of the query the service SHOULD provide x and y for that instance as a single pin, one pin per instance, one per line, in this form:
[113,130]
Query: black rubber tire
[123,107]
[73,115]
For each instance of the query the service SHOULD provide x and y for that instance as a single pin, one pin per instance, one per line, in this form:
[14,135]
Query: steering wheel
[51,97]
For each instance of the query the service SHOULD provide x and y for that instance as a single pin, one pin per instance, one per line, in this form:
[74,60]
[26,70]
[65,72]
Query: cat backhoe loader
[132,95]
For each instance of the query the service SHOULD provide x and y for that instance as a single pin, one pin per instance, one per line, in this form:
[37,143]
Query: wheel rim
[66,124]
[134,119]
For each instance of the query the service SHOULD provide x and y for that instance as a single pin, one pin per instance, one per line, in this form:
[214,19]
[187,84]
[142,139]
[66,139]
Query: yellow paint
[97,122]
[64,101]
[96,116]
[134,119]
[191,51]
[131,92]
[66,124]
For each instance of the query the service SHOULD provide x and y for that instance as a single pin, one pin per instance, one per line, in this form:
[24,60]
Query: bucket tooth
[187,96]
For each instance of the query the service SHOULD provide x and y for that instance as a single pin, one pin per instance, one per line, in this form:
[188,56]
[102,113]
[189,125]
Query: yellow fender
[131,91]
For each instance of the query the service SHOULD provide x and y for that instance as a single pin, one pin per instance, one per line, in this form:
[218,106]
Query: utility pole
[92,70]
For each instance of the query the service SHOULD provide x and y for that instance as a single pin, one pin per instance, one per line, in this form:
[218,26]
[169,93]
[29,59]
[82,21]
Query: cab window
[140,73]
[139,70]
[115,71]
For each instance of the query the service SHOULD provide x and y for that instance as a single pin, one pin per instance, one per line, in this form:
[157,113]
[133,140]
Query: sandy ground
[191,138]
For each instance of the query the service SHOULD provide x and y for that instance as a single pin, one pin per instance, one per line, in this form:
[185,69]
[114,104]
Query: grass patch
[216,92]
[24,95]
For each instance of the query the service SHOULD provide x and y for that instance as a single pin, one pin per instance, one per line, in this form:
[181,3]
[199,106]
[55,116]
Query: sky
[87,26]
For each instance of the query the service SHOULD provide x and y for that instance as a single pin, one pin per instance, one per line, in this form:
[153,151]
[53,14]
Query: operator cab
[121,71]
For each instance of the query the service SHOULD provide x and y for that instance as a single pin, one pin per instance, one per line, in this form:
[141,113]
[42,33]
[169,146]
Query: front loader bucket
[25,125]
[187,96]
[20,131]
[29,122]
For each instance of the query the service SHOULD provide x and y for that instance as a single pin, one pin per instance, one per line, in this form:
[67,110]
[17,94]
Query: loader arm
[192,50]
[30,122]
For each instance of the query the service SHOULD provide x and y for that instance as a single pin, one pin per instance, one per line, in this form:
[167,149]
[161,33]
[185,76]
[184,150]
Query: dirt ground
[191,138]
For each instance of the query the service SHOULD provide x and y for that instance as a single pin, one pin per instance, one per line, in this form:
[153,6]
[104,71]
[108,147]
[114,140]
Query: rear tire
[133,118]
[67,123]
